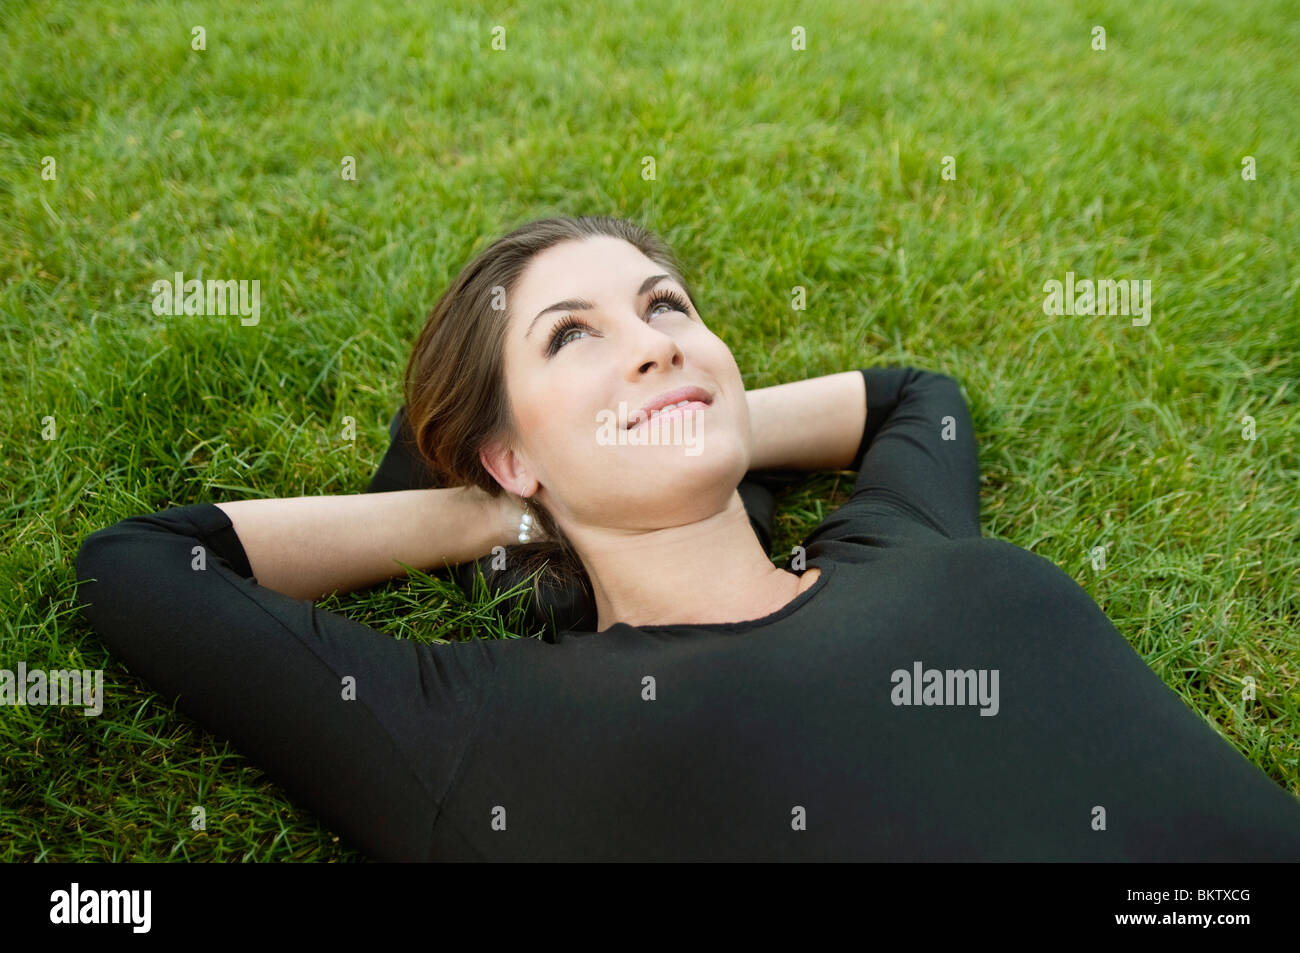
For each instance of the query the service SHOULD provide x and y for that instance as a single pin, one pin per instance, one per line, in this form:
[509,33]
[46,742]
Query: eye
[560,333]
[559,336]
[670,297]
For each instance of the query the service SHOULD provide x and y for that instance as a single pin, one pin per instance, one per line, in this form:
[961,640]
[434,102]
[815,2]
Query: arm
[906,431]
[814,424]
[309,546]
[331,709]
[918,454]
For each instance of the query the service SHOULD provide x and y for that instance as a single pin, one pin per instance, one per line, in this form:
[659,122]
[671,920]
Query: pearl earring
[525,523]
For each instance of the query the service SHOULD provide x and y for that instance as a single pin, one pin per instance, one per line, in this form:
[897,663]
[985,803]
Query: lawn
[775,151]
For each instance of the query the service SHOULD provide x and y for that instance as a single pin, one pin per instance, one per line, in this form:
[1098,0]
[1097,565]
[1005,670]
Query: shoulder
[992,566]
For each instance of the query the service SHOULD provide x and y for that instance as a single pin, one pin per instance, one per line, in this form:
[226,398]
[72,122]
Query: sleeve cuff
[211,524]
[883,385]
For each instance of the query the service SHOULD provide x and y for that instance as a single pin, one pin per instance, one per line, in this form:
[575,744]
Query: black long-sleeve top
[935,695]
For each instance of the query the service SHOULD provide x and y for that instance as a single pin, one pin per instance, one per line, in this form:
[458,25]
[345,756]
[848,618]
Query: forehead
[601,268]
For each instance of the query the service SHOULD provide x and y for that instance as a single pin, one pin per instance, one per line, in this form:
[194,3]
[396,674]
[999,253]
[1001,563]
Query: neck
[712,570]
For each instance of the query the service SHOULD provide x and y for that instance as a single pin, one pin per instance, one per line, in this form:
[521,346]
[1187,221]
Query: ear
[507,468]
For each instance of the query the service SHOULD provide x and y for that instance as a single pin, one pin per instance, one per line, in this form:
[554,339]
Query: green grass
[775,168]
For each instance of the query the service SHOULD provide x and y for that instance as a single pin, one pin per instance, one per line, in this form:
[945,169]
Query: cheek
[718,354]
[562,433]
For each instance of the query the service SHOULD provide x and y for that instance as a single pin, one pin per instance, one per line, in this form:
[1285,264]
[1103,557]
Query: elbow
[97,551]
[946,382]
[939,378]
[93,569]
[90,555]
[104,571]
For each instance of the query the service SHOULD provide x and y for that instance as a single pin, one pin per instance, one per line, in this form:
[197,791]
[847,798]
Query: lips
[669,397]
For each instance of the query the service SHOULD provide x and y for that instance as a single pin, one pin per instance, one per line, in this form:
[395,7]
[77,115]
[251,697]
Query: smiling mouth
[683,407]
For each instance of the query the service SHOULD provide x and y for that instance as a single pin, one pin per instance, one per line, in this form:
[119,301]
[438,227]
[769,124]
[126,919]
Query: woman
[905,690]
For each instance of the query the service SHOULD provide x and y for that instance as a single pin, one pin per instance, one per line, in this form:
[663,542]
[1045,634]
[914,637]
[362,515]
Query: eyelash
[569,323]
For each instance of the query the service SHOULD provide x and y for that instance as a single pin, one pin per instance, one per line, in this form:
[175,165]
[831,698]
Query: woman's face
[565,387]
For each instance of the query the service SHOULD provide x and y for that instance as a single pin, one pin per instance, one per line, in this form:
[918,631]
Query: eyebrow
[582,304]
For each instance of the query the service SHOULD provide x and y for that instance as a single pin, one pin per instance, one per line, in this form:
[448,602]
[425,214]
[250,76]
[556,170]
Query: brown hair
[455,388]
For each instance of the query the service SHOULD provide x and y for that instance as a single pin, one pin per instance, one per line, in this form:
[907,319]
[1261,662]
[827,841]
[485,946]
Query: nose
[653,348]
